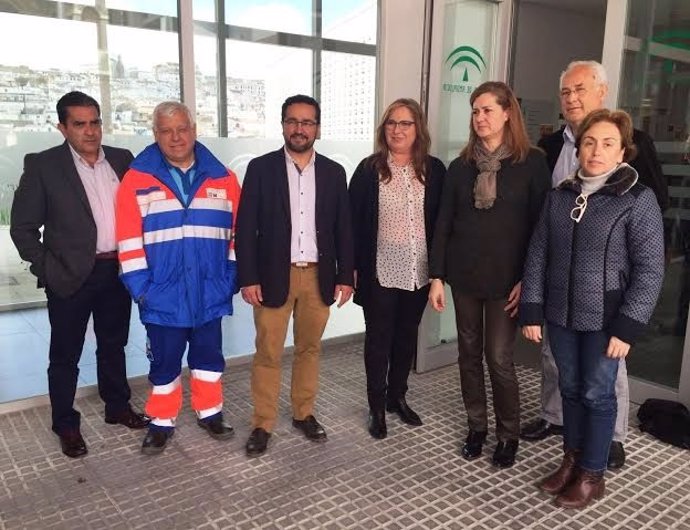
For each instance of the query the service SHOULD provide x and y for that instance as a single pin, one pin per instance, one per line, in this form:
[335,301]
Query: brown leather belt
[107,255]
[304,264]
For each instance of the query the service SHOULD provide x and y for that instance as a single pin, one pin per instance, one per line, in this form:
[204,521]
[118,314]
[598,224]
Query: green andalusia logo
[464,56]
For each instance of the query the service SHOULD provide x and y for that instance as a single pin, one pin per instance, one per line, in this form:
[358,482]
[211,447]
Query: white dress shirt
[302,186]
[100,183]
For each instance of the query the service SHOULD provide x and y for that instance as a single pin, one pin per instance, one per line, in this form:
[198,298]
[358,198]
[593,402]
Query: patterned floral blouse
[401,254]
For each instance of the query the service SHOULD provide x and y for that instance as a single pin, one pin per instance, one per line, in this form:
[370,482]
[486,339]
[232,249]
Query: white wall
[547,39]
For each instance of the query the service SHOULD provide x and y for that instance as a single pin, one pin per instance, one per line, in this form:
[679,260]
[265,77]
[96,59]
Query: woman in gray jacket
[593,272]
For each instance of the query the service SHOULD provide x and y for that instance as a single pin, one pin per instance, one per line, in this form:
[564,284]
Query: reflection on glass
[128,70]
[347,106]
[260,78]
[655,91]
[350,20]
[206,79]
[288,17]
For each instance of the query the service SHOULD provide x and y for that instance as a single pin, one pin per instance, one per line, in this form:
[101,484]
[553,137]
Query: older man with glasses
[295,255]
[583,89]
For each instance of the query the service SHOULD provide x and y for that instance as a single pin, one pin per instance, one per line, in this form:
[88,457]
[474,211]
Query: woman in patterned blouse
[395,195]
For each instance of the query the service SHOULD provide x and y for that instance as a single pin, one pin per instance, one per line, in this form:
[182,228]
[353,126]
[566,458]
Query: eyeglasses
[580,91]
[306,124]
[403,124]
[580,207]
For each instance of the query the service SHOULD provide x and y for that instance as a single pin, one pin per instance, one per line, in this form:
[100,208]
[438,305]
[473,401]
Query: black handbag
[668,421]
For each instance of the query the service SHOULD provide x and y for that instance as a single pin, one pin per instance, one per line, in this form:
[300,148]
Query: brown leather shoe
[128,418]
[72,443]
[557,481]
[585,488]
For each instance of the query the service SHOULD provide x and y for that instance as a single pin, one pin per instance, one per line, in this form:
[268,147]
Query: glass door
[653,80]
[469,45]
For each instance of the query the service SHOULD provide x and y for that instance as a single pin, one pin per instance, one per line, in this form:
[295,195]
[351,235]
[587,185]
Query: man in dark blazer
[583,89]
[295,257]
[69,191]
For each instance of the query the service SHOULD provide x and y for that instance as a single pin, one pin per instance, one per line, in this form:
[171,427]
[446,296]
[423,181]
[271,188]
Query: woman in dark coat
[395,195]
[593,272]
[492,197]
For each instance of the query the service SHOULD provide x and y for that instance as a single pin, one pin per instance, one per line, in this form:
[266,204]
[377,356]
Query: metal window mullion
[186,43]
[317,29]
[221,40]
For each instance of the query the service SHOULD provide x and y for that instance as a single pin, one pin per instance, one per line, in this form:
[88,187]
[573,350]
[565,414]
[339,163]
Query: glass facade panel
[206,82]
[293,16]
[350,20]
[260,77]
[347,83]
[655,90]
[128,69]
[126,54]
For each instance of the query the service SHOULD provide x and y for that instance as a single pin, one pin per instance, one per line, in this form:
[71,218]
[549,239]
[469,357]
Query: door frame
[615,41]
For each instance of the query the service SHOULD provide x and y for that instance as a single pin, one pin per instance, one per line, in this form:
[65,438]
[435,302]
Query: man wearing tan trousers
[295,257]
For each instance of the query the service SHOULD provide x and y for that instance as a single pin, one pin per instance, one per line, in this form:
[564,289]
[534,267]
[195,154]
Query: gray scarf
[488,165]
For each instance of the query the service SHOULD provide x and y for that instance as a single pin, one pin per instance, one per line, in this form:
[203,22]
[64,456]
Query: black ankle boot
[377,424]
[473,445]
[504,455]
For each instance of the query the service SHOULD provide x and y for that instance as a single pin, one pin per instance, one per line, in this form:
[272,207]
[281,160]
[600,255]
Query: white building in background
[348,81]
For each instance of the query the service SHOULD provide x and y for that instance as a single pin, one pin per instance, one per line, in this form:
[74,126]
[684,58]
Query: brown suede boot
[586,487]
[557,481]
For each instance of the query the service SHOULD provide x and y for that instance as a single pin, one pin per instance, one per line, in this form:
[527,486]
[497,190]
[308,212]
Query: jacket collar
[151,160]
[619,183]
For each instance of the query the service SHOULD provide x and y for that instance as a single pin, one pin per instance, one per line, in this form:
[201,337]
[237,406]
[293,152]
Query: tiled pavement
[413,479]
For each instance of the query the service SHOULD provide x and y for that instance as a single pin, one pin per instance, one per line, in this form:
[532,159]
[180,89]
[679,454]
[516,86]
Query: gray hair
[168,108]
[600,77]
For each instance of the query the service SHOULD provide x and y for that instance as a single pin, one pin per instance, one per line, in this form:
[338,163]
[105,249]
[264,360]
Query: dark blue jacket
[603,273]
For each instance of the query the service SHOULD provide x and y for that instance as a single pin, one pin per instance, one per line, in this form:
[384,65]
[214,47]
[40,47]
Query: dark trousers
[392,319]
[104,297]
[485,330]
[587,379]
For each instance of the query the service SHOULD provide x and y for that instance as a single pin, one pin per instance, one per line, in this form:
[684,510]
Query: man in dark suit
[583,89]
[295,257]
[69,191]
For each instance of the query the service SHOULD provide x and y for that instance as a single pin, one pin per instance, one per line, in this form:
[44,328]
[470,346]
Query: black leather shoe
[129,418]
[473,445]
[540,429]
[504,455]
[616,456]
[311,428]
[407,415]
[257,442]
[156,440]
[217,428]
[72,443]
[377,424]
